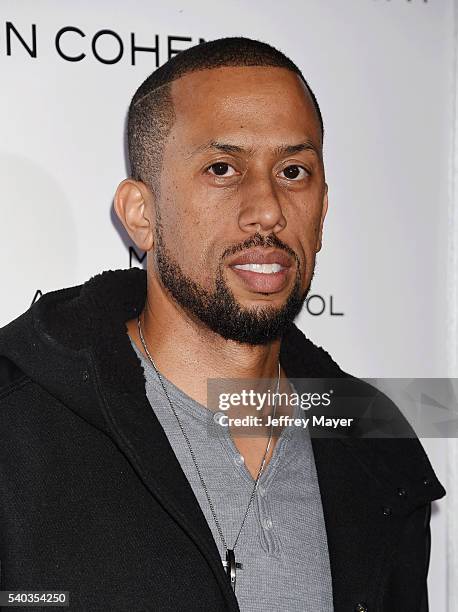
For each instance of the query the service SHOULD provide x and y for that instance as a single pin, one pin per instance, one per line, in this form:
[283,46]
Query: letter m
[133,253]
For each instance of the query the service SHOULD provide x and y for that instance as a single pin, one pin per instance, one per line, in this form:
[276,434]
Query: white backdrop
[383,72]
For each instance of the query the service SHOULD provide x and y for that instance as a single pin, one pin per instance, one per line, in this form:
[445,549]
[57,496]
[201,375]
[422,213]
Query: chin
[263,299]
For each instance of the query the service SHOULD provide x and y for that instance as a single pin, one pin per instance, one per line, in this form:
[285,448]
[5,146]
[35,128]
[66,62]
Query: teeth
[261,268]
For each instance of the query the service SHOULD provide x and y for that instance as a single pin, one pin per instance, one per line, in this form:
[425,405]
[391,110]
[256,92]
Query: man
[118,483]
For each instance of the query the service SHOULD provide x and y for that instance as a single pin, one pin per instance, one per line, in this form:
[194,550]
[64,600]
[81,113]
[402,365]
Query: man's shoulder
[62,316]
[376,414]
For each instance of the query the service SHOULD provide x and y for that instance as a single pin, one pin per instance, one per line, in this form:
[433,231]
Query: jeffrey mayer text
[256,421]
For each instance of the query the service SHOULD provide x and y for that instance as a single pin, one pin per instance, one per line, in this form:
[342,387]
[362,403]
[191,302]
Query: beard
[219,310]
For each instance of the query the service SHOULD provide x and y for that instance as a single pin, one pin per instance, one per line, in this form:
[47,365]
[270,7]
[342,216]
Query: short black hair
[151,113]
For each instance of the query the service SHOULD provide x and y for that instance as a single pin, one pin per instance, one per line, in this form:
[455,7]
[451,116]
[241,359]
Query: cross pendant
[231,566]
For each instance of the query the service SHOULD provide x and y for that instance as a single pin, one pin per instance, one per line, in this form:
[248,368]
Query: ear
[134,205]
[324,210]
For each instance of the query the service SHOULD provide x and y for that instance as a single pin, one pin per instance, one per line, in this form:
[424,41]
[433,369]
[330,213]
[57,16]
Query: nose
[260,209]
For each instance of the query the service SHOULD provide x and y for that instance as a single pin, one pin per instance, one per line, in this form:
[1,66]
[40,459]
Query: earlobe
[133,205]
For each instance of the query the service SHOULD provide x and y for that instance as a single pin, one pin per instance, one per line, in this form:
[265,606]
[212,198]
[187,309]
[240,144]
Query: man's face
[242,200]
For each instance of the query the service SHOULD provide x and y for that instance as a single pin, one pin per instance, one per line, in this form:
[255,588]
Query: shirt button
[387,511]
[239,460]
[402,492]
[361,607]
[426,481]
[267,523]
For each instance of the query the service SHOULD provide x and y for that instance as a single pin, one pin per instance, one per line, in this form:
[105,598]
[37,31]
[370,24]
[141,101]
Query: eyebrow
[285,149]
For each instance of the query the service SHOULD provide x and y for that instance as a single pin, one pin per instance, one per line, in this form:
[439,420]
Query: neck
[188,353]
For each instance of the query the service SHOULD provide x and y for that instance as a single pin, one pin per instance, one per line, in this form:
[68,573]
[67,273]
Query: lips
[262,272]
[256,256]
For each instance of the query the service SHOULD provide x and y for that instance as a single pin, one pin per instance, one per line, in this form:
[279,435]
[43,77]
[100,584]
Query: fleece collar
[81,316]
[91,318]
[73,341]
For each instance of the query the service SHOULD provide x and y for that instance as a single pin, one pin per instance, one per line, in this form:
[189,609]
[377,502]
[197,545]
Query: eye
[221,169]
[294,172]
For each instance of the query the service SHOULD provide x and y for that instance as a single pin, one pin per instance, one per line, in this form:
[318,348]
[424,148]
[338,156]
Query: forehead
[254,102]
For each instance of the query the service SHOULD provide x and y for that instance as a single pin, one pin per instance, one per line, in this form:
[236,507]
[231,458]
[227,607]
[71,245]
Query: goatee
[218,309]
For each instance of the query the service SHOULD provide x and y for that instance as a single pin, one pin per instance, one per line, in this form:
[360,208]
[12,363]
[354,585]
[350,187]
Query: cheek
[308,220]
[190,228]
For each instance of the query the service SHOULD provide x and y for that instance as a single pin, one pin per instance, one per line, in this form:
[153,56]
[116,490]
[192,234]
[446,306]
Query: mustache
[258,240]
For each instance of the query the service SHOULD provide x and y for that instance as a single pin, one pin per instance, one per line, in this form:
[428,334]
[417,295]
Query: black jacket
[94,501]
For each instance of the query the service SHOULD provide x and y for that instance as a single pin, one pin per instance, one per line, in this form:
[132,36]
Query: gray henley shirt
[283,545]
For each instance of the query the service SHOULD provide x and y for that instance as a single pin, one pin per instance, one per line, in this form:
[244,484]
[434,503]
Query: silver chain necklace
[230,564]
